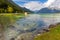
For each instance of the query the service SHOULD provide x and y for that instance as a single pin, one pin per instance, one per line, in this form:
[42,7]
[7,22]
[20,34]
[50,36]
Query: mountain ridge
[48,10]
[13,5]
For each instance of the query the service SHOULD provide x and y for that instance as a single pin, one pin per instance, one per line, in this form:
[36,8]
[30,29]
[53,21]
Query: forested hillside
[8,6]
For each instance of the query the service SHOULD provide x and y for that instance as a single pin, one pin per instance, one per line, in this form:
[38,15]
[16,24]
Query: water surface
[31,23]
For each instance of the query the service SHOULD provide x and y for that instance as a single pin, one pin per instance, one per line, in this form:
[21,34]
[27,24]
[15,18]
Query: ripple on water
[27,23]
[30,22]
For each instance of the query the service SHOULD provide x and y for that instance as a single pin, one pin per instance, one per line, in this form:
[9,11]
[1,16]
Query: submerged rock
[34,24]
[30,22]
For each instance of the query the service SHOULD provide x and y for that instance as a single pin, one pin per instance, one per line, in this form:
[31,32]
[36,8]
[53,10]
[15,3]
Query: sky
[34,4]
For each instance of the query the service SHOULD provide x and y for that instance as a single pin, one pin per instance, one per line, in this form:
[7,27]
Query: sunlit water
[31,23]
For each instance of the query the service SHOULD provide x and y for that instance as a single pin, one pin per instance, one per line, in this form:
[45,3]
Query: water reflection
[33,23]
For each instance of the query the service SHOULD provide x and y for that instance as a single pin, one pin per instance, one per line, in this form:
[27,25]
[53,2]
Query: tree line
[5,8]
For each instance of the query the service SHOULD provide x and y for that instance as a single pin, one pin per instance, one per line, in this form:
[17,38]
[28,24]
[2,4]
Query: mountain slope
[53,8]
[16,8]
[27,10]
[48,10]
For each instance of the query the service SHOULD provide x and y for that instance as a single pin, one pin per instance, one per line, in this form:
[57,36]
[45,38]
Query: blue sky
[24,1]
[34,4]
[31,0]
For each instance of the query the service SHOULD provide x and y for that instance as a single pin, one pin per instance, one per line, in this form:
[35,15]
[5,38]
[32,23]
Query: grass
[53,34]
[10,18]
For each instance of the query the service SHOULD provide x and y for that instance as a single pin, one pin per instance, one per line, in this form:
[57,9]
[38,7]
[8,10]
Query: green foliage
[53,34]
[10,7]
[8,19]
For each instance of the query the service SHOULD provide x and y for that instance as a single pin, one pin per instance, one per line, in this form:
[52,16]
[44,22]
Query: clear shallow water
[31,23]
[37,20]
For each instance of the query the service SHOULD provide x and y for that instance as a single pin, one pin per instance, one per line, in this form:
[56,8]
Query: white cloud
[33,5]
[36,5]
[56,5]
[48,3]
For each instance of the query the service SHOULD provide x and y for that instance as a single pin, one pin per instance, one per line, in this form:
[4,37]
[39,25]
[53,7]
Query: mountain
[5,4]
[27,10]
[54,7]
[48,10]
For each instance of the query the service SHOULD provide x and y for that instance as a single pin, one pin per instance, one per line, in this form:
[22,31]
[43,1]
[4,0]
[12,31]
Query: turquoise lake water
[32,22]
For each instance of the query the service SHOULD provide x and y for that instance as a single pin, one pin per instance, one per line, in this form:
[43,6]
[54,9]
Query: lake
[31,24]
